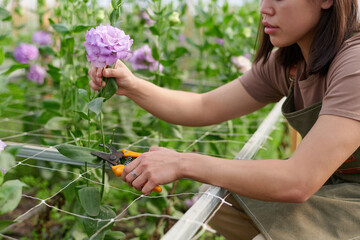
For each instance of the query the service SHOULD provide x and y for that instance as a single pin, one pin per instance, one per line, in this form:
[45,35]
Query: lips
[267,24]
[268,28]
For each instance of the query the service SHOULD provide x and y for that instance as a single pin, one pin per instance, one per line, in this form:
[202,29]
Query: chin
[280,44]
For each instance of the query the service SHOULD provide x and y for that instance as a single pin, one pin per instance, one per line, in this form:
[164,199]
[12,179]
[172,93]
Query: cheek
[303,26]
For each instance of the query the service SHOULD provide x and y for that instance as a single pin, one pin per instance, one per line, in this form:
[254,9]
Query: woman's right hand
[124,77]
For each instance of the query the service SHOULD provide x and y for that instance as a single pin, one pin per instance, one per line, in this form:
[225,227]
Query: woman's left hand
[159,166]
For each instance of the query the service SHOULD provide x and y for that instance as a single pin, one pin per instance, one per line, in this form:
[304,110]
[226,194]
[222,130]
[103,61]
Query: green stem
[89,130]
[87,181]
[104,149]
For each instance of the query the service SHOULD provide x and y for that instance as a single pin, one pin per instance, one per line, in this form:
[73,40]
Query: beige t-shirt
[339,91]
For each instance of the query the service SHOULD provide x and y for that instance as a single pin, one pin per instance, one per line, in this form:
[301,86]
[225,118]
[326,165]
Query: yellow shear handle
[118,170]
[128,153]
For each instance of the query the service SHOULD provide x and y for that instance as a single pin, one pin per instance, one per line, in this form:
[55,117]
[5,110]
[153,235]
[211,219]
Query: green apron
[331,213]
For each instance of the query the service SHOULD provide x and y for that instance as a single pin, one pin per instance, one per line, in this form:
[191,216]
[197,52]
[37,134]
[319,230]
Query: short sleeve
[267,82]
[342,97]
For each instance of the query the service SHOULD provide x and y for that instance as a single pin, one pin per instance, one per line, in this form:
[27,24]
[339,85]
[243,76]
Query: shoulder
[347,59]
[343,82]
[266,81]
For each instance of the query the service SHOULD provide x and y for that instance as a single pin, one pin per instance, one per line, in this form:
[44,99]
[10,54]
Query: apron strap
[292,78]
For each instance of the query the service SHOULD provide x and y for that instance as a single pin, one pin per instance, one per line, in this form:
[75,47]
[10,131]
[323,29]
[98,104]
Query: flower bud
[100,15]
[174,18]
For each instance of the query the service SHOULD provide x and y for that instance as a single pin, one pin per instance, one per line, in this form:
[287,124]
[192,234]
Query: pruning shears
[119,159]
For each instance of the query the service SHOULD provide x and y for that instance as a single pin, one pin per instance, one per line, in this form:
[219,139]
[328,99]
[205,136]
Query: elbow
[297,192]
[297,196]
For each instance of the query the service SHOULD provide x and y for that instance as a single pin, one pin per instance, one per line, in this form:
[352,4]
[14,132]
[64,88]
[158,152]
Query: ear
[326,4]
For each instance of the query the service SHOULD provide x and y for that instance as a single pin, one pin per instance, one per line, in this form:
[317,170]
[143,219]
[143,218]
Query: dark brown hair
[336,24]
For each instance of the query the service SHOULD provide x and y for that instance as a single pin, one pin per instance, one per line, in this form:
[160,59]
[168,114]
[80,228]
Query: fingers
[95,75]
[151,169]
[127,176]
[137,173]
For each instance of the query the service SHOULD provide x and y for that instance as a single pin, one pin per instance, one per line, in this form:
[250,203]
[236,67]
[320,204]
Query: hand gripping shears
[119,159]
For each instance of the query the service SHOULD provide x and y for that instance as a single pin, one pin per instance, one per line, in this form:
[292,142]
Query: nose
[266,7]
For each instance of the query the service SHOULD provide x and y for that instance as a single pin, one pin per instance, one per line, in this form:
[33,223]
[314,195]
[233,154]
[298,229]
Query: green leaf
[5,223]
[110,88]
[82,82]
[77,153]
[81,28]
[70,43]
[167,63]
[83,115]
[180,51]
[7,160]
[5,15]
[51,104]
[96,105]
[51,21]
[116,3]
[115,235]
[57,123]
[83,94]
[3,36]
[15,67]
[1,177]
[227,19]
[47,50]
[60,28]
[54,72]
[2,55]
[10,195]
[114,16]
[13,150]
[154,30]
[192,43]
[155,53]
[91,226]
[90,200]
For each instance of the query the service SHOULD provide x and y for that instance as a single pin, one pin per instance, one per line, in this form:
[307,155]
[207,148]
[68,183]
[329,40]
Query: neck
[305,46]
[305,52]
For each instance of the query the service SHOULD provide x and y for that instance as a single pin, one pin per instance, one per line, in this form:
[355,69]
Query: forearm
[192,109]
[267,180]
[177,107]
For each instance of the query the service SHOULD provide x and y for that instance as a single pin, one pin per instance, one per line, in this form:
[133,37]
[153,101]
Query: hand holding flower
[123,76]
[104,46]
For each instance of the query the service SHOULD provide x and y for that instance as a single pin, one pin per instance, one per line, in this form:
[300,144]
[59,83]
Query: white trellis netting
[194,218]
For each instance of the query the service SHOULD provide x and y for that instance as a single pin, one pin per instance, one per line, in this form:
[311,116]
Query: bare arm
[193,109]
[179,107]
[330,142]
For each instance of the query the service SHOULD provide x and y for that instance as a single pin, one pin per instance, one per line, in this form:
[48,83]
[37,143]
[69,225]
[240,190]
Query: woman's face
[292,21]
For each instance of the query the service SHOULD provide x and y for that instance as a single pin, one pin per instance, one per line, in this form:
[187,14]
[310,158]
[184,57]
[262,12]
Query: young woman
[315,194]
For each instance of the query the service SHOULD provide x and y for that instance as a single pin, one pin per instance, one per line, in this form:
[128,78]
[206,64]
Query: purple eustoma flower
[142,59]
[147,18]
[42,38]
[2,146]
[182,38]
[26,52]
[36,74]
[220,41]
[106,44]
